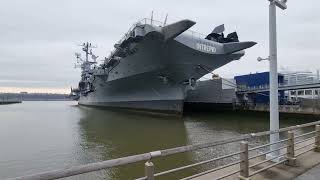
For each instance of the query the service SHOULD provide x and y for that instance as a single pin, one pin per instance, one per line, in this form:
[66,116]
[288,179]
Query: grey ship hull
[139,92]
[154,77]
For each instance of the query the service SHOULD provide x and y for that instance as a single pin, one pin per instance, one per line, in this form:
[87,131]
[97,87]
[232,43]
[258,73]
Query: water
[42,136]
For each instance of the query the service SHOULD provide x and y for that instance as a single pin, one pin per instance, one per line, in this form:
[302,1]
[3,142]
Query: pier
[299,151]
[256,98]
[4,102]
[291,109]
[7,98]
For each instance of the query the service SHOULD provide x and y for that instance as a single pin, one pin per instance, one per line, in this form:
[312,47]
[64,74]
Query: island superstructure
[154,65]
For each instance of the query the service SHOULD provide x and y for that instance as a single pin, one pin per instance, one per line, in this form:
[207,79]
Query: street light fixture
[273,75]
[262,59]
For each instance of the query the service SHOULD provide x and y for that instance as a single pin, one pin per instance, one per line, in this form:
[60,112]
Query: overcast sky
[38,38]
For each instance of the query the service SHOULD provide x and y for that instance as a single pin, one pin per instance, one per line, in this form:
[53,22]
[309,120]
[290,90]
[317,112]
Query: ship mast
[85,64]
[85,48]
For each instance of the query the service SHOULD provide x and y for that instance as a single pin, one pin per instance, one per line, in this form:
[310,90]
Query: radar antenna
[85,64]
[87,48]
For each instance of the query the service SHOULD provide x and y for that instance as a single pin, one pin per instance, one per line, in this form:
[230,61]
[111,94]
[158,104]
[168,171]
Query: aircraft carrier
[154,66]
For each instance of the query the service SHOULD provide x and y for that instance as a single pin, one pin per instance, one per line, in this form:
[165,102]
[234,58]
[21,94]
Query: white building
[296,78]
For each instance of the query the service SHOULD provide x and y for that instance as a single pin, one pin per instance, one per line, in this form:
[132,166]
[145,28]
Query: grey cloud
[38,38]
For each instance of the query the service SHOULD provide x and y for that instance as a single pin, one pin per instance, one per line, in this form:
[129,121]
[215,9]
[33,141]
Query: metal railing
[195,35]
[287,154]
[145,21]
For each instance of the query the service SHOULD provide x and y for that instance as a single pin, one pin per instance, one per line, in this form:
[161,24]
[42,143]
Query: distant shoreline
[9,102]
[48,100]
[33,97]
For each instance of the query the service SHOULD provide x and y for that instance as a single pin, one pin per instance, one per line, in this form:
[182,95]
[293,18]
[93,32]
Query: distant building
[294,95]
[295,78]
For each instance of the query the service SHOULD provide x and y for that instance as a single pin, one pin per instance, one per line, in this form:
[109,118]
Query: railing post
[244,161]
[291,160]
[149,170]
[317,139]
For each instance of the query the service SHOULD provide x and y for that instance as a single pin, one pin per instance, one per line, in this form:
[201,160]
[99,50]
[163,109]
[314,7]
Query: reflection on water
[122,134]
[41,136]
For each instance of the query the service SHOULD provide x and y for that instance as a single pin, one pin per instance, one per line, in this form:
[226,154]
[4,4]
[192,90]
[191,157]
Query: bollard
[244,161]
[149,170]
[317,139]
[291,160]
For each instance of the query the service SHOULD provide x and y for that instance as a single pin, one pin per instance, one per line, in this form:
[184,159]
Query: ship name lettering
[207,48]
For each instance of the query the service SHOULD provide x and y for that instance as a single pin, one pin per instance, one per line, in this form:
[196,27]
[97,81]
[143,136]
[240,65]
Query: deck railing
[144,21]
[295,145]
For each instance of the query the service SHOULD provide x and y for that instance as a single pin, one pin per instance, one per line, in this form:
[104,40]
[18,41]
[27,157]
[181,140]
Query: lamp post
[273,74]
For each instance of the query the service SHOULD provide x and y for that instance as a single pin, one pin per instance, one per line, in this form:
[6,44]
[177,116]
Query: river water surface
[42,136]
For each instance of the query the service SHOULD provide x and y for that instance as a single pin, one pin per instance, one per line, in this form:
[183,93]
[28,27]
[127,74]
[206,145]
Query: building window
[301,93]
[316,92]
[308,92]
[293,92]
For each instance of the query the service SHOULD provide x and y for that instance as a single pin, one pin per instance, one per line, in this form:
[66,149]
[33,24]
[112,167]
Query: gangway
[282,87]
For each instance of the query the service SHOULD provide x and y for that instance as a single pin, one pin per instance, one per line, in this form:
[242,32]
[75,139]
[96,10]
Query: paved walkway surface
[305,162]
[312,174]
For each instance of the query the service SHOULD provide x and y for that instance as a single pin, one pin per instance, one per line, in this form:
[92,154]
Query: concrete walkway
[312,174]
[305,162]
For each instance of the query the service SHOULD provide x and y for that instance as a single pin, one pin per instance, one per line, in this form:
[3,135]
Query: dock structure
[255,87]
[4,102]
[288,109]
[212,94]
[299,152]
[7,98]
[253,94]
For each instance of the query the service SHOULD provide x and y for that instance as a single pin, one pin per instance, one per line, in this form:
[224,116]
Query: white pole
[274,104]
[151,17]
